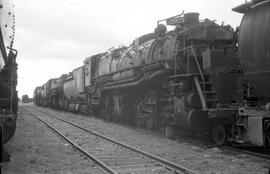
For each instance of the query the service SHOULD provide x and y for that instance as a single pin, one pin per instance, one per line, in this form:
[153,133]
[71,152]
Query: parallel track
[101,164]
[166,165]
[249,152]
[254,152]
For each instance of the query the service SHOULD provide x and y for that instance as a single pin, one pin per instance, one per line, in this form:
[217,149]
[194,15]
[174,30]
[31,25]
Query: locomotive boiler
[8,75]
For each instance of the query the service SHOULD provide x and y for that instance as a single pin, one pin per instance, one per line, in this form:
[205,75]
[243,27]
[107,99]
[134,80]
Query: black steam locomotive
[8,74]
[201,76]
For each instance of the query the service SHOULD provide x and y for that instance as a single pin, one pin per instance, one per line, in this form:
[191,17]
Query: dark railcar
[73,90]
[37,95]
[25,98]
[254,44]
[253,120]
[56,92]
[8,72]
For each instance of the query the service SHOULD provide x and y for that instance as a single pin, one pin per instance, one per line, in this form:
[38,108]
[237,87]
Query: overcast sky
[53,37]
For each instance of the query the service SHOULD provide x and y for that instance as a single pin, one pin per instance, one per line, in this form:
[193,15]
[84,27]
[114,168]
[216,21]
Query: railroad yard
[135,88]
[35,148]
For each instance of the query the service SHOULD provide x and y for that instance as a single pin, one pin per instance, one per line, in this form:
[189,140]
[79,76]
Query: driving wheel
[218,132]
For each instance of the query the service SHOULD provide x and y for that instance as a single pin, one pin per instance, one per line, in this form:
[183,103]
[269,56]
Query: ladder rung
[211,100]
[239,141]
[176,84]
[239,124]
[206,83]
[4,99]
[209,92]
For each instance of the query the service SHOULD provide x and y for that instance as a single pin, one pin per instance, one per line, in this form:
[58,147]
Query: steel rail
[161,161]
[100,163]
[232,149]
[247,152]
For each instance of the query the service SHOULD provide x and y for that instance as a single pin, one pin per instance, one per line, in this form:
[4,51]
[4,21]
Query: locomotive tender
[8,76]
[196,77]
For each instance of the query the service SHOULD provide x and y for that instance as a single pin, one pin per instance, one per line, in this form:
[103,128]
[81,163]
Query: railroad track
[250,151]
[111,155]
[238,149]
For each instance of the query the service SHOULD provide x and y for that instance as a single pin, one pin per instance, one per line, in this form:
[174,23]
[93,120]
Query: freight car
[8,76]
[194,77]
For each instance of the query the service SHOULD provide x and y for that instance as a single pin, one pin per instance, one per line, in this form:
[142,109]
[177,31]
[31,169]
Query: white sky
[53,37]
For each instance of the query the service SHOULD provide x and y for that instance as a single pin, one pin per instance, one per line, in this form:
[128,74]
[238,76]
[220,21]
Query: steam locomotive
[201,76]
[8,75]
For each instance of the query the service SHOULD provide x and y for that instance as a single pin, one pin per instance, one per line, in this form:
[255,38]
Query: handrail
[197,84]
[170,17]
[195,57]
[197,62]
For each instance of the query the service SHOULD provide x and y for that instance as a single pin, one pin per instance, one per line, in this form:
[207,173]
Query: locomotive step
[4,99]
[209,92]
[206,83]
[239,141]
[211,100]
[239,124]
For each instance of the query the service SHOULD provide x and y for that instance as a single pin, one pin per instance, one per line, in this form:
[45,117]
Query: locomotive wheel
[267,135]
[128,113]
[104,114]
[165,116]
[218,132]
[107,109]
[62,103]
[144,116]
[149,122]
[138,119]
[9,128]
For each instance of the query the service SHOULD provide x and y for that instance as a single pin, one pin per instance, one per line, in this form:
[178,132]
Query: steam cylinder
[254,46]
